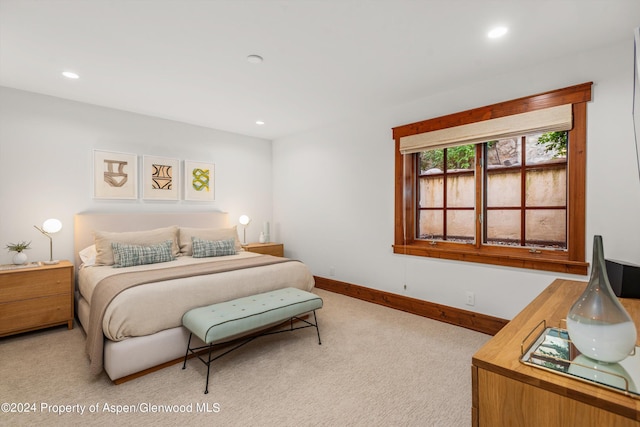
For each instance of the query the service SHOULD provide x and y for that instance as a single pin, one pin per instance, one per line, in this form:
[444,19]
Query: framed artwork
[199,181]
[160,178]
[115,175]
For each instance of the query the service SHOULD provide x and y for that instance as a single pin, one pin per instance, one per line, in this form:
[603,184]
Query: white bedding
[147,309]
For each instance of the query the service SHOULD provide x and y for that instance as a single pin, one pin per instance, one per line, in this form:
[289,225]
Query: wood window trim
[572,260]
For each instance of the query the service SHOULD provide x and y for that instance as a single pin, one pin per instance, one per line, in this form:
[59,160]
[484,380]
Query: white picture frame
[115,175]
[160,178]
[199,181]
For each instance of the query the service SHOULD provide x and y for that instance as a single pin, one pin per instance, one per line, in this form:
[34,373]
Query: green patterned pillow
[126,255]
[210,248]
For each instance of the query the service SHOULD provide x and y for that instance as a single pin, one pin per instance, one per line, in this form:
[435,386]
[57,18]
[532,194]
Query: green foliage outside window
[554,142]
[461,157]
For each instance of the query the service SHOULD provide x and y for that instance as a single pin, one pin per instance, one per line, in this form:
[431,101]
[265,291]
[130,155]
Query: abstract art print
[199,181]
[115,175]
[160,178]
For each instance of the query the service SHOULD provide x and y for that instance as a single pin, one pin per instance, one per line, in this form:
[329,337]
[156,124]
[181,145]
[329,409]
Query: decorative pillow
[88,256]
[187,234]
[126,255]
[104,239]
[211,248]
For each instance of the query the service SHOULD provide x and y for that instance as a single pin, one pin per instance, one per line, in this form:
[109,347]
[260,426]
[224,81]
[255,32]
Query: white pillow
[88,256]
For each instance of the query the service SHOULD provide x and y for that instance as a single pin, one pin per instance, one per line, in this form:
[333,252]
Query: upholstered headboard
[86,223]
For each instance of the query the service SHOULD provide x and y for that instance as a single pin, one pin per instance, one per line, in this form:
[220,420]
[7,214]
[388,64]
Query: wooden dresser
[275,249]
[507,392]
[36,297]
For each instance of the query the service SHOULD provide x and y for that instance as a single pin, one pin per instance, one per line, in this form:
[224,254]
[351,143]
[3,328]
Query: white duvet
[150,308]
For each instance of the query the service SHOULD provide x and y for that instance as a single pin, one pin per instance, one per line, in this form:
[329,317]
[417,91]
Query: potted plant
[19,257]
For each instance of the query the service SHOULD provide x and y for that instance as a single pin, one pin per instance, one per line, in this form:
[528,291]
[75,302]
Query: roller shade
[552,119]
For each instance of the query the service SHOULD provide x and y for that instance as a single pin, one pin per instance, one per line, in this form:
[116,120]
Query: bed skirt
[134,355]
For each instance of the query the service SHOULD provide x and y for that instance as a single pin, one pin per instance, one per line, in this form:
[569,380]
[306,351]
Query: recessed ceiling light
[70,75]
[259,122]
[255,59]
[497,32]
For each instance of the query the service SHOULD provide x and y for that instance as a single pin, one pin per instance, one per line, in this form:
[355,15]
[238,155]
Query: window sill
[540,261]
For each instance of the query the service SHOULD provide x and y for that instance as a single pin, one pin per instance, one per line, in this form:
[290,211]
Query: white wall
[334,188]
[46,149]
[332,191]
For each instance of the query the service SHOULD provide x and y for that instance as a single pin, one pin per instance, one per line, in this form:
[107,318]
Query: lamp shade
[52,225]
[244,220]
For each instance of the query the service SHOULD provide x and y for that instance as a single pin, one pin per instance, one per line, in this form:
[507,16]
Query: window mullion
[415,196]
[444,193]
[481,202]
[523,190]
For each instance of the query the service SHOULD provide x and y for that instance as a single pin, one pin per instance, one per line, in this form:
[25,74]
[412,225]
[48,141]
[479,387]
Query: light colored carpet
[376,367]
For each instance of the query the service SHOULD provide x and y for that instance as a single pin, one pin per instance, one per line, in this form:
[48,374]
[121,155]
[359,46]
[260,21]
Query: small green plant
[18,247]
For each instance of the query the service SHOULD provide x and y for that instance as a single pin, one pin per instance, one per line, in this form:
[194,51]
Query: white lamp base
[55,261]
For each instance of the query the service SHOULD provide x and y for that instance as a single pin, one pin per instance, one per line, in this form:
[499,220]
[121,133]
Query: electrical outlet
[405,286]
[471,298]
[332,271]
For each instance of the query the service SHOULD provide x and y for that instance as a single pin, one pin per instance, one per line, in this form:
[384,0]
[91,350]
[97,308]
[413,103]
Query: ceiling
[186,60]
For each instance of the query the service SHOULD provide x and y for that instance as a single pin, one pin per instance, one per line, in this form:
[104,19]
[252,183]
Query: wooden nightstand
[36,297]
[275,249]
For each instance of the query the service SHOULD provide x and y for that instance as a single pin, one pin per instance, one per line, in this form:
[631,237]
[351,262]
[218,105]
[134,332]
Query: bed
[132,312]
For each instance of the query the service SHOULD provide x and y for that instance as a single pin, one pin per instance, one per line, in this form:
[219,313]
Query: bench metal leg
[184,365]
[208,362]
[315,319]
[206,388]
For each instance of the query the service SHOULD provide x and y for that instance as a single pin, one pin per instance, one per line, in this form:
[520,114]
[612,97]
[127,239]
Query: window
[502,184]
[446,194]
[525,201]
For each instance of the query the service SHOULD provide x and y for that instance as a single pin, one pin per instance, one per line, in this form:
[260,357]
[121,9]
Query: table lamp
[49,227]
[244,220]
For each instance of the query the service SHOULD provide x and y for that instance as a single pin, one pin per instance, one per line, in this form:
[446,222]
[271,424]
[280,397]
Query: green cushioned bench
[230,319]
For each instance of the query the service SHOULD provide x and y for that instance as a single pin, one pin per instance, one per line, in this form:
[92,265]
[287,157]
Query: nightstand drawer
[34,313]
[34,283]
